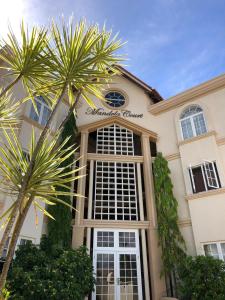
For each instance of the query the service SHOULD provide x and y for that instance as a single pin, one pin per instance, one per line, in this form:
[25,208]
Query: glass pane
[45,115]
[199,123]
[128,277]
[127,239]
[105,282]
[223,250]
[211,175]
[33,115]
[191,110]
[105,239]
[211,250]
[115,99]
[187,129]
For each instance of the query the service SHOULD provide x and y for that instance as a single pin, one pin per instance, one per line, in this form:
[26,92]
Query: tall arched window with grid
[115,182]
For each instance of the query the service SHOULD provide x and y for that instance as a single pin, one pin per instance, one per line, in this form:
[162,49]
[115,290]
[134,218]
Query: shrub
[58,274]
[202,278]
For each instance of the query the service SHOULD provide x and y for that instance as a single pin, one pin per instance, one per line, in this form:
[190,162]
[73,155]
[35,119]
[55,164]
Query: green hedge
[40,274]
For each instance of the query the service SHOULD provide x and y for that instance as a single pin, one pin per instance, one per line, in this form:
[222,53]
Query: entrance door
[117,265]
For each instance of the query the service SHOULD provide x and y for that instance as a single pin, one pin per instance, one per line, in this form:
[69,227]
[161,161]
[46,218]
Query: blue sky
[171,44]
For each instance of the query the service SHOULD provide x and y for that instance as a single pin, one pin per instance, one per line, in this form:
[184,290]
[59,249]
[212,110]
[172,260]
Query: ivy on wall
[59,230]
[170,238]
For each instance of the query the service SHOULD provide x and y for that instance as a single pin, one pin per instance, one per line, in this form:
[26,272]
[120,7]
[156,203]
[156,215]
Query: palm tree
[75,62]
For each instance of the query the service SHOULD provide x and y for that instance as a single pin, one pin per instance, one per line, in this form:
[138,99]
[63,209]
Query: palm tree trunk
[72,108]
[6,89]
[7,230]
[12,245]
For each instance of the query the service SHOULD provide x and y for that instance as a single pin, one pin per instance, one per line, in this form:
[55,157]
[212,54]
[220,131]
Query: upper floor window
[115,140]
[43,111]
[204,177]
[192,122]
[115,99]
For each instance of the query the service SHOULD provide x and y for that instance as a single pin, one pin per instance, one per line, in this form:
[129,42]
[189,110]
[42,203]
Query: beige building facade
[118,142]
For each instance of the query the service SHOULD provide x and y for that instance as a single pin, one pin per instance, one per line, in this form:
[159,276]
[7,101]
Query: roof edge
[153,94]
[188,95]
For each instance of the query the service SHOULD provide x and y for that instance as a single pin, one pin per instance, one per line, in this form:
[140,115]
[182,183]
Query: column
[78,229]
[90,202]
[155,264]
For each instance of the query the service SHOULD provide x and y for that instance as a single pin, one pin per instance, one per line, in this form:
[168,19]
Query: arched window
[192,122]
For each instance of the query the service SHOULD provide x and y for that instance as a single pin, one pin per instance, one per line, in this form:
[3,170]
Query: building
[118,221]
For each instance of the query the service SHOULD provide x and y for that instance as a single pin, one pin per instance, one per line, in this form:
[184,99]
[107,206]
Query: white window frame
[206,178]
[208,170]
[191,118]
[219,248]
[43,105]
[116,250]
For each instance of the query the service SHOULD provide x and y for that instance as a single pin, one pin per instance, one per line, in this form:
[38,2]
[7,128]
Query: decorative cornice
[35,124]
[185,223]
[205,194]
[120,121]
[107,157]
[220,141]
[188,95]
[172,156]
[196,138]
[116,224]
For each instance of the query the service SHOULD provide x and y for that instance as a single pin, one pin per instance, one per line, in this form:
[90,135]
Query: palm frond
[8,111]
[48,172]
[25,56]
[82,57]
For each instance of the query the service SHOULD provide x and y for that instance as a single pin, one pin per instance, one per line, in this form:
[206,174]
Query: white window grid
[105,239]
[115,140]
[209,174]
[128,276]
[217,250]
[127,239]
[43,111]
[105,285]
[115,191]
[192,122]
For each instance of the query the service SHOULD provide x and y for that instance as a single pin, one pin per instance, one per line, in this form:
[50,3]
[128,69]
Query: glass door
[117,265]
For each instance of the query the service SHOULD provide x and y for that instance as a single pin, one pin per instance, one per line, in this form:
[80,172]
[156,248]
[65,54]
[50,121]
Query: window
[217,250]
[43,111]
[115,140]
[115,191]
[24,241]
[192,122]
[115,99]
[204,177]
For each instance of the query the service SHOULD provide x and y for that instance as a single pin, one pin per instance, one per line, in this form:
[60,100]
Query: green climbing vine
[59,230]
[170,237]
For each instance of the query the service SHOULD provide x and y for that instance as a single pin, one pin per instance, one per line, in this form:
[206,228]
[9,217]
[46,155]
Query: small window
[204,177]
[115,99]
[216,250]
[24,241]
[43,111]
[192,122]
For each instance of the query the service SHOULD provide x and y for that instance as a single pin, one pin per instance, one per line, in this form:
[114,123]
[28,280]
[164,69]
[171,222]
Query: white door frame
[117,251]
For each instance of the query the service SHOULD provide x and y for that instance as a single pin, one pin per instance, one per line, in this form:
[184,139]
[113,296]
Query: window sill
[34,123]
[196,138]
[205,194]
